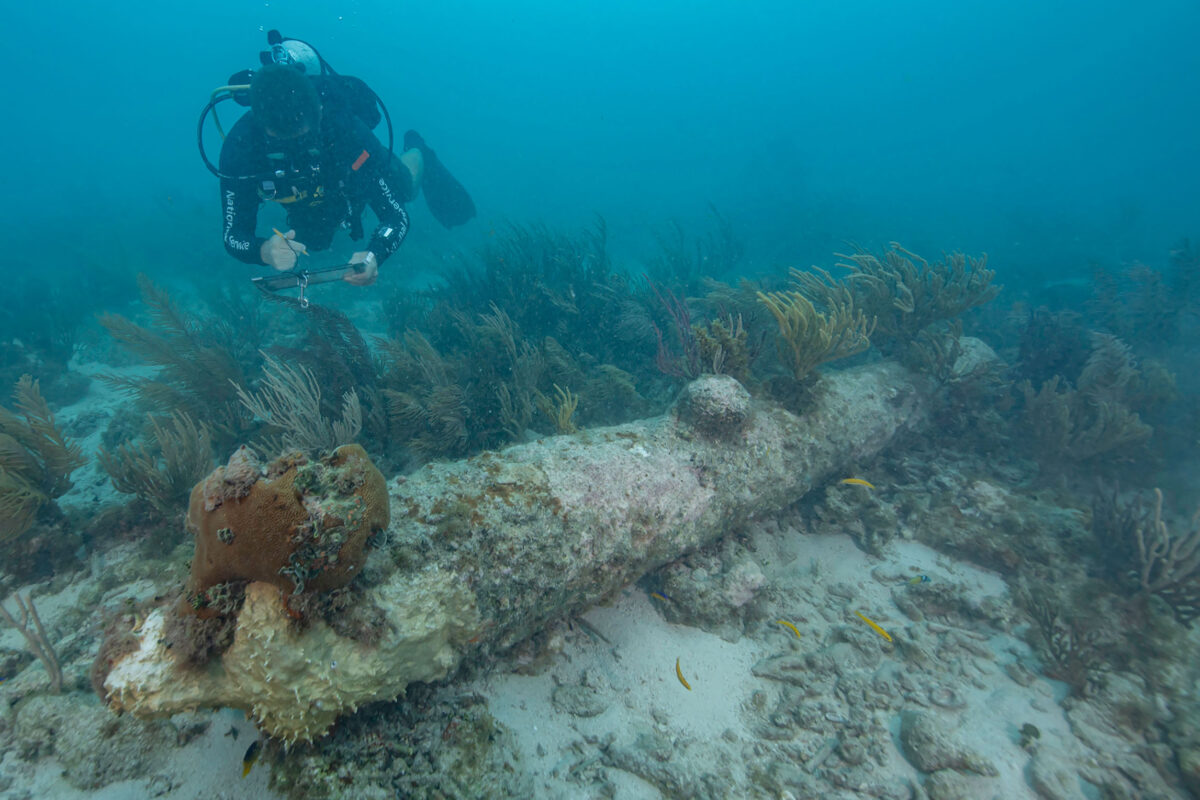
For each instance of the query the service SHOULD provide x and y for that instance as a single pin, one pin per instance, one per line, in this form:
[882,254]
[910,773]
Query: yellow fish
[679,674]
[875,626]
[856,482]
[251,756]
[789,626]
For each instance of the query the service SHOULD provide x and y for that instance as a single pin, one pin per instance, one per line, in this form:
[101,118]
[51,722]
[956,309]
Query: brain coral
[297,524]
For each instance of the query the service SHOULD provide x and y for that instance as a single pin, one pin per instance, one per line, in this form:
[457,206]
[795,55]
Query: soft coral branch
[686,365]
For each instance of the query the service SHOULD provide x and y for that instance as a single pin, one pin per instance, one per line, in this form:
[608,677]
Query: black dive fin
[447,199]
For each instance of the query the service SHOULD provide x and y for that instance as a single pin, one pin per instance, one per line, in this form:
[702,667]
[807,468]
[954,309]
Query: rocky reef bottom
[833,651]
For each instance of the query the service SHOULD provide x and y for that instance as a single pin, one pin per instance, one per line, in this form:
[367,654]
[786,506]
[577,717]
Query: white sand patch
[648,646]
[639,665]
[988,709]
[208,768]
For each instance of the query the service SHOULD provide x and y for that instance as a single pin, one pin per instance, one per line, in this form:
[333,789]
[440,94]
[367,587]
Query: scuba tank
[341,93]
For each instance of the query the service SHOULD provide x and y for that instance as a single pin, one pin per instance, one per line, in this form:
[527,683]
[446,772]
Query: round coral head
[297,524]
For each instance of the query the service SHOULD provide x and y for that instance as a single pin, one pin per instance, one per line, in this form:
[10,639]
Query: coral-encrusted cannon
[299,525]
[563,523]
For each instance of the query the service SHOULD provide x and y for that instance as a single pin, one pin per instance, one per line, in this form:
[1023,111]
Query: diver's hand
[281,251]
[369,272]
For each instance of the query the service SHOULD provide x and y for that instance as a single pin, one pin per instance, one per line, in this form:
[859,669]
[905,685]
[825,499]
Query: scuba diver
[307,143]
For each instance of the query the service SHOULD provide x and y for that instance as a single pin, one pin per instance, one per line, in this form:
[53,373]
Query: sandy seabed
[946,708]
[612,685]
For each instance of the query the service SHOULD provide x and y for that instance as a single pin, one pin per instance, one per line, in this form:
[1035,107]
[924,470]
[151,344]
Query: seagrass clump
[905,293]
[198,368]
[162,468]
[808,336]
[36,459]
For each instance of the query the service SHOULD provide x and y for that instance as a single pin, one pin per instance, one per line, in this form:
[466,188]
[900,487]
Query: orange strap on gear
[362,159]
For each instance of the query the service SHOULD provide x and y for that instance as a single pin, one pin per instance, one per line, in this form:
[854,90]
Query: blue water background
[1051,135]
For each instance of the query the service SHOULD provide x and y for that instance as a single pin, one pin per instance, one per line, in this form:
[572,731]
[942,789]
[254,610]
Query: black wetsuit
[330,176]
